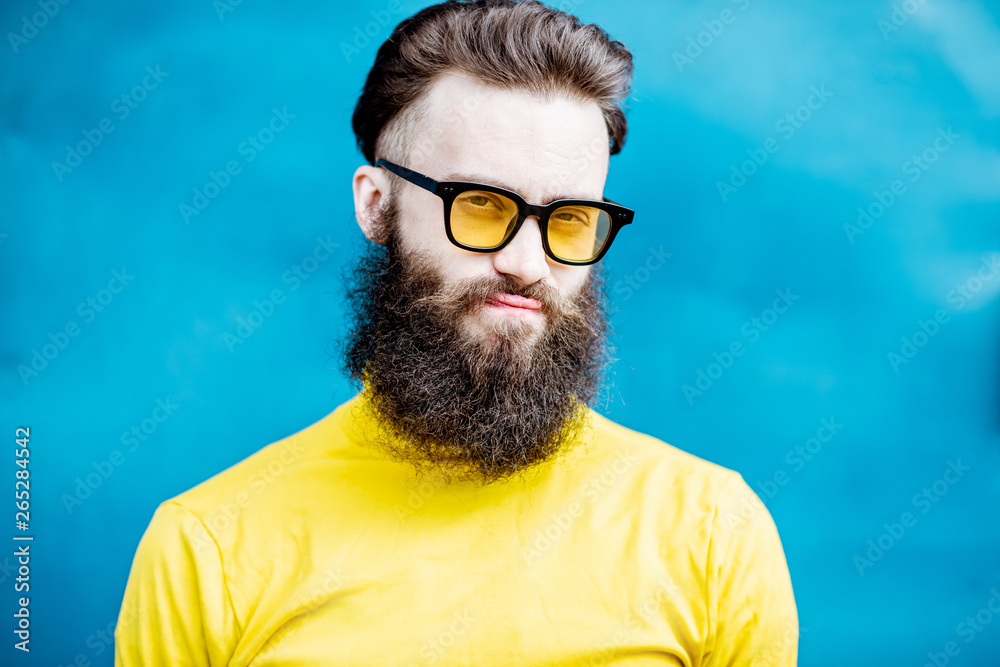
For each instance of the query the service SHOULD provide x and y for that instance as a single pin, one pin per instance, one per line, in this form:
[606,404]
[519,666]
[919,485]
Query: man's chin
[486,320]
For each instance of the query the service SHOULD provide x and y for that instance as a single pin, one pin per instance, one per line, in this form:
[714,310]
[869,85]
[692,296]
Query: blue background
[891,89]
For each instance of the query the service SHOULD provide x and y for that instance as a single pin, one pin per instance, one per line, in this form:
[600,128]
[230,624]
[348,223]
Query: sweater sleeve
[177,609]
[750,591]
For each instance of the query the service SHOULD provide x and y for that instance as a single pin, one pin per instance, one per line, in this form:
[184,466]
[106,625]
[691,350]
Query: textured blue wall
[889,341]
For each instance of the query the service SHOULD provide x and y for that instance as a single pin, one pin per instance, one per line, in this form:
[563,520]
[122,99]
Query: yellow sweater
[316,550]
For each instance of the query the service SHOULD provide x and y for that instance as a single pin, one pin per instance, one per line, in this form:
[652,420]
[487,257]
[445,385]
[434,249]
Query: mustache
[472,294]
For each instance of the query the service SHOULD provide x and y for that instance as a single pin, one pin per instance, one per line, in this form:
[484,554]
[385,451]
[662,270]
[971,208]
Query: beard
[472,405]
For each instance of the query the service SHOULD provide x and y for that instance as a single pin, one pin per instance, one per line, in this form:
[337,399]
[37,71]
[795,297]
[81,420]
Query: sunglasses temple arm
[410,175]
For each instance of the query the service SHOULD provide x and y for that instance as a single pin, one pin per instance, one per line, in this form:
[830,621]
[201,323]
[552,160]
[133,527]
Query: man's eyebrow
[486,180]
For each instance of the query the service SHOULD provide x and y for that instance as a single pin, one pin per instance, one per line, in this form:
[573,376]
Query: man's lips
[514,301]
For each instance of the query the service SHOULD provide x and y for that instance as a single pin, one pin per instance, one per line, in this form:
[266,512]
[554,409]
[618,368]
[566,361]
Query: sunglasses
[485,218]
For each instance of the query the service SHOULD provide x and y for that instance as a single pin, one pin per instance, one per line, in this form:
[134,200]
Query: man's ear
[371,190]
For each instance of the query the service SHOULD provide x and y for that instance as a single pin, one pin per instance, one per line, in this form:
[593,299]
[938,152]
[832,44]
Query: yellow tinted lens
[482,219]
[578,233]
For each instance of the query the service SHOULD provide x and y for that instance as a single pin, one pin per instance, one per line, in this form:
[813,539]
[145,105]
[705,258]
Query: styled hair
[502,43]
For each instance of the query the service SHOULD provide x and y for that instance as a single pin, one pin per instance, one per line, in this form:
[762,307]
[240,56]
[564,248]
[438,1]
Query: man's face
[543,150]
[477,364]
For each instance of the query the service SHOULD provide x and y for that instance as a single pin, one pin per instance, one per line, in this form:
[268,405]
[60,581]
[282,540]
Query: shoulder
[712,516]
[662,463]
[685,489]
[280,465]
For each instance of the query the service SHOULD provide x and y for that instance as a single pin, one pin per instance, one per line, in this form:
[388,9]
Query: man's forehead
[551,147]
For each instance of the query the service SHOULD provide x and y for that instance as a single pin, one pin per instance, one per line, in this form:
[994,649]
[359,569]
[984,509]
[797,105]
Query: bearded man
[468,506]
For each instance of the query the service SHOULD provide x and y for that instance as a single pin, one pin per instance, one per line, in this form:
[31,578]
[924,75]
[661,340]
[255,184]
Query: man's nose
[524,257]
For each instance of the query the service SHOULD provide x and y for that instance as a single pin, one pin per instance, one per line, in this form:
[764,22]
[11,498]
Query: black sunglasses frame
[449,190]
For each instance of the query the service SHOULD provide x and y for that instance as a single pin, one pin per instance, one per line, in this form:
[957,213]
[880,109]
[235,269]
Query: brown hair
[504,43]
